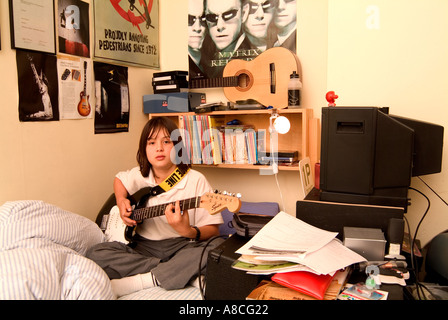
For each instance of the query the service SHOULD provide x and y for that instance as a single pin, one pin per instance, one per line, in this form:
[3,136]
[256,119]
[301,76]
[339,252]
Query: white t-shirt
[194,184]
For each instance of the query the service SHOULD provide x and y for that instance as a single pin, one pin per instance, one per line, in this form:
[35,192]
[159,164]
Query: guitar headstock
[216,202]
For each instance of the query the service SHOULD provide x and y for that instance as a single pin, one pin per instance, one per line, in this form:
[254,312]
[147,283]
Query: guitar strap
[177,175]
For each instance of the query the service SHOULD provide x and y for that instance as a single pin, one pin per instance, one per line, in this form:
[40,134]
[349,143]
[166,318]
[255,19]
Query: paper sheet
[288,234]
[290,239]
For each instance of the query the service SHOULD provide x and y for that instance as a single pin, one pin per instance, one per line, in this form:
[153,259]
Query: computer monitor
[369,156]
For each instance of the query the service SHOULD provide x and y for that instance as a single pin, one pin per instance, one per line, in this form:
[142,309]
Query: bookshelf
[303,135]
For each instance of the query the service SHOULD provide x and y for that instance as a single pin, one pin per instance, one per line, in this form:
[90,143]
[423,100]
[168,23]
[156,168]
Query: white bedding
[42,250]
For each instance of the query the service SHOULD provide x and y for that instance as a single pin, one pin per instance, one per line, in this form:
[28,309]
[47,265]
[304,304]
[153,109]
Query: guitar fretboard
[159,210]
[214,82]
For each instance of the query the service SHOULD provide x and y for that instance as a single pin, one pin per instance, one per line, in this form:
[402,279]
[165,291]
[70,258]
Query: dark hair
[151,128]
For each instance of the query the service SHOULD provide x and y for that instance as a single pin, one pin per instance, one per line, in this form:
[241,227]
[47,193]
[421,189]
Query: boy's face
[158,149]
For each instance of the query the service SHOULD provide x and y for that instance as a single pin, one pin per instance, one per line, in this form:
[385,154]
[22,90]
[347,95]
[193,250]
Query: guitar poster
[38,86]
[75,95]
[234,29]
[127,32]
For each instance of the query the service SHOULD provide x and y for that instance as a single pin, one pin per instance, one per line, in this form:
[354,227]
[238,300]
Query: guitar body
[83,105]
[116,230]
[256,78]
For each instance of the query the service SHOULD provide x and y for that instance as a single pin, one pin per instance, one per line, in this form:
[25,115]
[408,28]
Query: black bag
[248,224]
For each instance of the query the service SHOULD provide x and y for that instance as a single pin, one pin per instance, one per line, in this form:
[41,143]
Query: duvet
[42,250]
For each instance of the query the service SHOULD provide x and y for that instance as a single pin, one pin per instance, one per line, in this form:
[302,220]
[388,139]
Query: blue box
[172,102]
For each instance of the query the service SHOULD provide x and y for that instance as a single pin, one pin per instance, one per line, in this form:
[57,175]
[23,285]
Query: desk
[226,283]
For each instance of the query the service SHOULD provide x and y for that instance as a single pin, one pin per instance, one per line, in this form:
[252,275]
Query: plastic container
[294,90]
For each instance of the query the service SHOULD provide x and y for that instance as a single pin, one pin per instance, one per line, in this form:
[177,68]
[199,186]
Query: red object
[331,98]
[306,282]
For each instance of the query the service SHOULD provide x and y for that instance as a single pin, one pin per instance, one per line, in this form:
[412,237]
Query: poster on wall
[73,27]
[236,29]
[74,76]
[32,25]
[38,86]
[112,98]
[127,32]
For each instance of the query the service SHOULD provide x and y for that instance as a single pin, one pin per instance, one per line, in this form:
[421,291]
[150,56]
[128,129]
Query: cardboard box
[367,242]
[172,102]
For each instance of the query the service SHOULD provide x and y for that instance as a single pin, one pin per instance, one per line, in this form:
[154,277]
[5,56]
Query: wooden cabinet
[302,136]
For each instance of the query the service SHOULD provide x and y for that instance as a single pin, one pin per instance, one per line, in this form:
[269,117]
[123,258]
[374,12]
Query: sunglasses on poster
[266,6]
[226,16]
[192,20]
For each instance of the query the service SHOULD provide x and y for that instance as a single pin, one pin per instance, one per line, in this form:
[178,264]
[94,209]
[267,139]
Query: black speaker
[395,231]
[222,281]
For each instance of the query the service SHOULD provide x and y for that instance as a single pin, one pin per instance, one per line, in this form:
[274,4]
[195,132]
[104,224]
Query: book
[214,124]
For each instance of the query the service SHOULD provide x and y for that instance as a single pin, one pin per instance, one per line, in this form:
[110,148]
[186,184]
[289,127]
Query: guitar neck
[85,76]
[159,210]
[214,82]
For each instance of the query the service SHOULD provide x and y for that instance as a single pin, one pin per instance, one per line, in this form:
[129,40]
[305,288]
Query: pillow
[24,220]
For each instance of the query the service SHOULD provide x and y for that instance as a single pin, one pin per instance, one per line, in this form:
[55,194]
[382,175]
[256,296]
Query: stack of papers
[287,244]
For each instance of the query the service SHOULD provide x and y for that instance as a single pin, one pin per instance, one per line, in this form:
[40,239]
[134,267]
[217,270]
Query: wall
[402,65]
[62,162]
[393,53]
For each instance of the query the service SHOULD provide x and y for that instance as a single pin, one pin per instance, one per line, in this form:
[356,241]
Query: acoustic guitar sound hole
[244,80]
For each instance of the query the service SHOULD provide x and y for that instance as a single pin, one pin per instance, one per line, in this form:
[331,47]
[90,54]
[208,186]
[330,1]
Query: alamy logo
[71,17]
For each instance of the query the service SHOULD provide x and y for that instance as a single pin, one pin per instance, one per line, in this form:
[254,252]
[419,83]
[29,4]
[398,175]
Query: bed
[42,250]
[42,256]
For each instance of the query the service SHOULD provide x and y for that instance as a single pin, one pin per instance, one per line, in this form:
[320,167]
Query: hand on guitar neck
[212,202]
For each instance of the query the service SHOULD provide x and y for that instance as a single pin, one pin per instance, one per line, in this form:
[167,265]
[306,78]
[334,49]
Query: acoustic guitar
[83,105]
[116,230]
[264,79]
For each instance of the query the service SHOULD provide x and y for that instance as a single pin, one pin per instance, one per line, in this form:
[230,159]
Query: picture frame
[33,25]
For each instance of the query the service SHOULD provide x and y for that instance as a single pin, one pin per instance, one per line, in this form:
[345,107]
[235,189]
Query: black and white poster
[38,86]
[112,98]
[236,29]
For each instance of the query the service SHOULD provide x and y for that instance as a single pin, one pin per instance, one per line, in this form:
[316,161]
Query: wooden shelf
[298,138]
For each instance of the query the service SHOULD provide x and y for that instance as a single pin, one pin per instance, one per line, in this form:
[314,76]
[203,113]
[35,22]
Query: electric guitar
[264,79]
[83,105]
[116,230]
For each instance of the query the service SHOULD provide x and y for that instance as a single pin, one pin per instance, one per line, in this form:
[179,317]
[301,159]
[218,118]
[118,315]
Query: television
[369,156]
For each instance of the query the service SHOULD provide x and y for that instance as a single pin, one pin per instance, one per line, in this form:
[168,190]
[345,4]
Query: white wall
[402,65]
[395,54]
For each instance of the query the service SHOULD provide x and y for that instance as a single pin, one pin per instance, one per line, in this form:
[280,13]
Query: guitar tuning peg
[238,195]
[216,191]
[225,193]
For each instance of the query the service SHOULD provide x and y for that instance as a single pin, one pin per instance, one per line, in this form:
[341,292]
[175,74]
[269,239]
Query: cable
[446,203]
[280,191]
[414,264]
[201,287]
